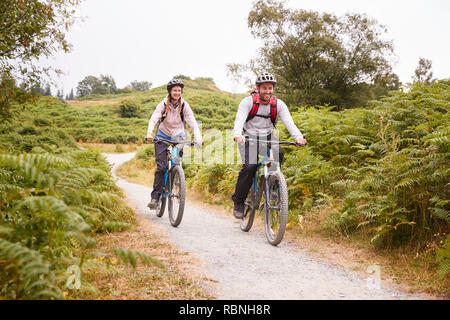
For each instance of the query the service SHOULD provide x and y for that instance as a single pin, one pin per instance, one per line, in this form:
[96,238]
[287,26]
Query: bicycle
[273,187]
[174,189]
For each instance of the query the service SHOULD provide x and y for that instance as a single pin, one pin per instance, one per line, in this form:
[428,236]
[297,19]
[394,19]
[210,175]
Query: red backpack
[255,107]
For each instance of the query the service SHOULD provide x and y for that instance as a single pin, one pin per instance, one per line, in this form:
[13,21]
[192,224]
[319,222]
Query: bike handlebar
[191,143]
[288,143]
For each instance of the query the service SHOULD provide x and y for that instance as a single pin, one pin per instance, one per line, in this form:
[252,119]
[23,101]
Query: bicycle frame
[267,161]
[170,163]
[172,159]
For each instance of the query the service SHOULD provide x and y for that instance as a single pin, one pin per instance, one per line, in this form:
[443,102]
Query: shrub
[129,109]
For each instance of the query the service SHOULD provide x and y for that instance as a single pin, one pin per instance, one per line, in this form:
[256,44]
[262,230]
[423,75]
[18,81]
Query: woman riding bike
[170,115]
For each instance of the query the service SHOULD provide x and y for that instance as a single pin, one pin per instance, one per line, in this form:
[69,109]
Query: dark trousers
[161,162]
[249,156]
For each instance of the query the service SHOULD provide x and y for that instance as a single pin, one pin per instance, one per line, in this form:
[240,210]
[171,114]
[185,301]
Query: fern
[112,226]
[130,257]
[27,276]
[443,258]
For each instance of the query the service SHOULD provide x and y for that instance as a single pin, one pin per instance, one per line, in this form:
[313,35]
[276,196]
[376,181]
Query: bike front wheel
[177,195]
[162,207]
[276,208]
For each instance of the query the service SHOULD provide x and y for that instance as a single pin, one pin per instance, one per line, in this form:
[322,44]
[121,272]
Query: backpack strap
[167,106]
[164,114]
[255,107]
[181,108]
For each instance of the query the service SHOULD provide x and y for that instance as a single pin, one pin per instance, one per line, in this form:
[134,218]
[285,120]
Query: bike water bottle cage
[255,107]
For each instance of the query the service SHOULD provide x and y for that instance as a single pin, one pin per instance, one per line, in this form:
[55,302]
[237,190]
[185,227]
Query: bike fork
[166,183]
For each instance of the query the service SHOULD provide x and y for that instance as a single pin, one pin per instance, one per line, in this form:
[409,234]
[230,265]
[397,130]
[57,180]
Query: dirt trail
[244,265]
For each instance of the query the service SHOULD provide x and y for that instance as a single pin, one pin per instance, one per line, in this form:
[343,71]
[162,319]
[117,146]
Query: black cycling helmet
[174,82]
[266,78]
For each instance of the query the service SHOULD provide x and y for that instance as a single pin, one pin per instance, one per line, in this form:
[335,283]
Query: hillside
[98,118]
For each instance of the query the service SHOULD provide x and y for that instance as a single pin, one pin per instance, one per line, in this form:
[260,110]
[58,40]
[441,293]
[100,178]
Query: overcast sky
[155,40]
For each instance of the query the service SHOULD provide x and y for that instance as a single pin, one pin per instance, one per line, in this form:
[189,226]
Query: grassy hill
[99,119]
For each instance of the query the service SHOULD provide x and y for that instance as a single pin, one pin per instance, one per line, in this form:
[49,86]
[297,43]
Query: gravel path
[244,265]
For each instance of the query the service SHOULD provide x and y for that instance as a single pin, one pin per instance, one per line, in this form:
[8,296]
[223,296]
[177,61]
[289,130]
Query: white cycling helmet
[266,78]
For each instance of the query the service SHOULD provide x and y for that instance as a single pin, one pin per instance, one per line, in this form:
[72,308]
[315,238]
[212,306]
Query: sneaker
[153,204]
[238,210]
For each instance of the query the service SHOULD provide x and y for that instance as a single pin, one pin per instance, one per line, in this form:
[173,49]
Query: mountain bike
[174,190]
[272,185]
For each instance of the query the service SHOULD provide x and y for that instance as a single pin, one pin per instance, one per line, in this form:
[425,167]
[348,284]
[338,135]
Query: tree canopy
[423,71]
[93,85]
[30,30]
[140,85]
[319,58]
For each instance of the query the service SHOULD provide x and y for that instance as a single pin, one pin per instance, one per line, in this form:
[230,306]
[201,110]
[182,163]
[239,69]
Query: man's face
[175,92]
[265,91]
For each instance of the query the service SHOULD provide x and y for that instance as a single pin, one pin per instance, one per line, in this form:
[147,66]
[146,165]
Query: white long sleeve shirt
[263,126]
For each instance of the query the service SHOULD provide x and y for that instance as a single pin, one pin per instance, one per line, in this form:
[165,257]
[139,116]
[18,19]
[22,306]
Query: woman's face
[175,92]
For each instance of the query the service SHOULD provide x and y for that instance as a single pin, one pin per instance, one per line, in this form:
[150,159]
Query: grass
[111,148]
[177,280]
[136,171]
[85,103]
[407,268]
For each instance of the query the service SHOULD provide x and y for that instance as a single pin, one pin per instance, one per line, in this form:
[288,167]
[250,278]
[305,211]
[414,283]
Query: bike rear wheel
[276,208]
[249,211]
[177,195]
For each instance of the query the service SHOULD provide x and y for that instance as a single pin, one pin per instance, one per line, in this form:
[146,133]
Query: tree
[71,97]
[29,30]
[140,85]
[423,71]
[10,93]
[108,82]
[181,77]
[38,89]
[91,85]
[319,58]
[48,91]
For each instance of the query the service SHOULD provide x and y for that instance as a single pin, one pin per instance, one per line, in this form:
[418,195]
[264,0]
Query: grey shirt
[263,126]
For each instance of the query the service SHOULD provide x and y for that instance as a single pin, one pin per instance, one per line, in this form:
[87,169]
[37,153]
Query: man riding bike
[256,118]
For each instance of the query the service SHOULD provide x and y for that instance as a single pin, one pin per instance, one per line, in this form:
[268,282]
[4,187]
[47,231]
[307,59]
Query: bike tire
[275,220]
[160,212]
[249,211]
[178,191]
